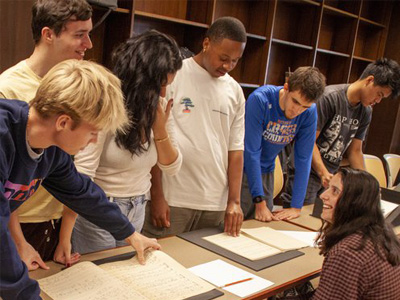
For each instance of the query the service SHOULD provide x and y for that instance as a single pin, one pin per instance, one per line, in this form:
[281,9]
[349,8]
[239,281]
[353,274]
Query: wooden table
[307,221]
[284,275]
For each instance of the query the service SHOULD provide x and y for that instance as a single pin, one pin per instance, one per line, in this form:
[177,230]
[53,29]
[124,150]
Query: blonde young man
[60,31]
[74,101]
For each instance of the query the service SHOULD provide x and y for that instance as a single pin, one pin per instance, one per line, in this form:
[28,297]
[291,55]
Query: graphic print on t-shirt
[20,192]
[187,102]
[331,142]
[280,132]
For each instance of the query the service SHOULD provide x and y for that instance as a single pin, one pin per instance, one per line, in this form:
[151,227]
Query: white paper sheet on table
[221,273]
[387,207]
[307,237]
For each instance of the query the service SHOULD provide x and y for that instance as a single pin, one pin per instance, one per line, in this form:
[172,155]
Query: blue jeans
[88,237]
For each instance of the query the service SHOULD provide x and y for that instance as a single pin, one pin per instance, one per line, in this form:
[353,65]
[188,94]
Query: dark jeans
[43,237]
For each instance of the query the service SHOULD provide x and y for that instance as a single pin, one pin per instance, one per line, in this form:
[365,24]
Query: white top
[119,173]
[209,122]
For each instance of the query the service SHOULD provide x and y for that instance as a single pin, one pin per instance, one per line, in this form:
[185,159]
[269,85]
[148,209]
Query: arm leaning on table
[26,252]
[14,279]
[63,253]
[233,213]
[83,196]
[303,151]
[256,109]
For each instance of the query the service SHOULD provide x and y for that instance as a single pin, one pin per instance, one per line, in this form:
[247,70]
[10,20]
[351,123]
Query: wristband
[257,199]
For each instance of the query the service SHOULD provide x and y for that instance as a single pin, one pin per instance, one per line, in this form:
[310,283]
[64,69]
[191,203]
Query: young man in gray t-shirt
[344,114]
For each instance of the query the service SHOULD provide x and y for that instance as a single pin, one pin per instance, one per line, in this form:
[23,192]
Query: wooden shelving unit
[338,36]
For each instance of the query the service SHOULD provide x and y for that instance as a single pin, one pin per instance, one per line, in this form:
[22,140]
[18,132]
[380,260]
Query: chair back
[374,166]
[392,167]
[278,177]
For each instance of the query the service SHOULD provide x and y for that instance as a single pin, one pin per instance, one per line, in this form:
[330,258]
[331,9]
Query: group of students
[168,148]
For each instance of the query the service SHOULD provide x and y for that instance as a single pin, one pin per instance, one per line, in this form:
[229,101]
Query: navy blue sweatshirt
[20,177]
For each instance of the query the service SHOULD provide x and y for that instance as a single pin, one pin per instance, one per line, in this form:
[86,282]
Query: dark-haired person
[60,31]
[120,164]
[209,117]
[276,116]
[344,114]
[362,253]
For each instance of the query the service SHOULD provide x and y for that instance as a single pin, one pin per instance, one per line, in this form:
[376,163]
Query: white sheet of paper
[307,237]
[387,207]
[220,273]
[274,238]
[243,246]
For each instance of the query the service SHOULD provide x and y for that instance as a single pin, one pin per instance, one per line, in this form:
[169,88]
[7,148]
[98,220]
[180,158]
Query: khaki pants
[182,220]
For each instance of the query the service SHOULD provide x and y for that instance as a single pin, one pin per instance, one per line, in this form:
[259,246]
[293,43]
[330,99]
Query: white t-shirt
[119,173]
[209,122]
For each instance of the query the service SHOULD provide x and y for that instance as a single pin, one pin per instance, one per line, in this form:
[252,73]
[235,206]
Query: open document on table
[161,278]
[256,243]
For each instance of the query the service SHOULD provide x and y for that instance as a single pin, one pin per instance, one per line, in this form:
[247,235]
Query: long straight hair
[143,63]
[358,211]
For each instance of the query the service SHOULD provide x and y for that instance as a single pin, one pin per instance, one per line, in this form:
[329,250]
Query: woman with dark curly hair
[120,164]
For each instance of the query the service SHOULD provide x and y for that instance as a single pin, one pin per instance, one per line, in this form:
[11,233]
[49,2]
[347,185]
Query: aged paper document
[243,246]
[274,238]
[160,278]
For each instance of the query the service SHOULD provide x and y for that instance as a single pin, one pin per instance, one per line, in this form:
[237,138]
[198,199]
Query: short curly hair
[227,28]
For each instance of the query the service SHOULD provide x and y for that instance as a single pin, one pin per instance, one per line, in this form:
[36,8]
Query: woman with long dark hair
[120,164]
[362,253]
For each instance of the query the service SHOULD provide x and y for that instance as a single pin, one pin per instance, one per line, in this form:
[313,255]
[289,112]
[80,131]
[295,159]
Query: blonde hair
[85,91]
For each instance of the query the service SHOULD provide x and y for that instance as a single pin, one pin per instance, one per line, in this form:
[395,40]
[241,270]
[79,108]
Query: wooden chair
[392,167]
[374,166]
[278,177]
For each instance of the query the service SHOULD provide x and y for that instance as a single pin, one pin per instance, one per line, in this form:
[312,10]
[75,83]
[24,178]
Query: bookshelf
[384,131]
[338,36]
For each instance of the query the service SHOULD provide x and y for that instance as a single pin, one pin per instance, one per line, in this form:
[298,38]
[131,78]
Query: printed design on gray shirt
[332,143]
[280,132]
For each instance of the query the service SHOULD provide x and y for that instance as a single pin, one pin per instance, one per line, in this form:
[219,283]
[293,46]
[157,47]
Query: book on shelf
[161,278]
[256,243]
